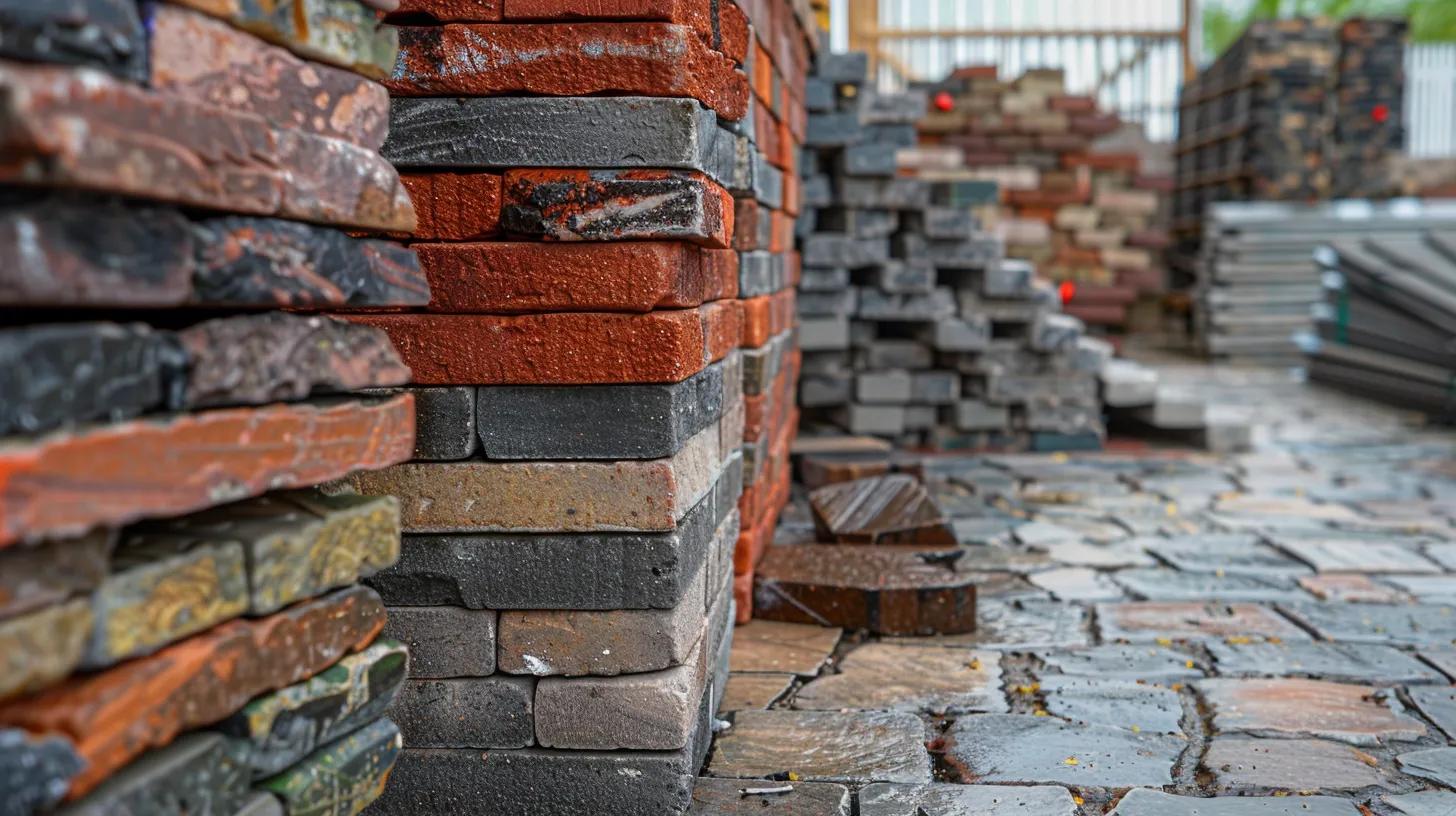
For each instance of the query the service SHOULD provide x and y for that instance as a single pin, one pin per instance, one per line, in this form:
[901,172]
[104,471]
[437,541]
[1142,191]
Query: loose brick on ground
[615,205]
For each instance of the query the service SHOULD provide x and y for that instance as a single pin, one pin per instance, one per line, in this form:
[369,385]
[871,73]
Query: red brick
[1072,104]
[568,59]
[616,205]
[454,11]
[723,264]
[733,31]
[562,348]
[746,214]
[766,316]
[762,74]
[67,483]
[1128,162]
[509,277]
[791,194]
[455,206]
[782,233]
[115,716]
[731,27]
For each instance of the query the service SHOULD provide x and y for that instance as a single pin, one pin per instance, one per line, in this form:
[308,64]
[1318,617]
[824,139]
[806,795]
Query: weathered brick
[1148,620]
[645,495]
[455,11]
[43,647]
[454,206]
[474,712]
[197,57]
[862,746]
[507,277]
[195,768]
[340,779]
[445,428]
[113,716]
[726,30]
[445,641]
[615,132]
[32,578]
[1292,707]
[64,484]
[587,348]
[278,730]
[894,509]
[104,34]
[76,128]
[580,59]
[615,205]
[34,771]
[345,33]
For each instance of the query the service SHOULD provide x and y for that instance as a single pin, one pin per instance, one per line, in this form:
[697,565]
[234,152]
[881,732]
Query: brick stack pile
[1369,100]
[599,373]
[178,639]
[913,324]
[1083,212]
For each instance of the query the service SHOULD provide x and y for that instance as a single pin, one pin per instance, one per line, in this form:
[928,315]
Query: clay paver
[1146,802]
[1077,584]
[892,676]
[1437,764]
[894,509]
[1119,703]
[822,746]
[1355,555]
[1438,703]
[1297,707]
[1342,662]
[1152,664]
[939,799]
[1022,749]
[1243,766]
[1173,585]
[1349,588]
[1153,621]
[1018,625]
[1423,803]
[1394,624]
[731,797]
[773,646]
[748,690]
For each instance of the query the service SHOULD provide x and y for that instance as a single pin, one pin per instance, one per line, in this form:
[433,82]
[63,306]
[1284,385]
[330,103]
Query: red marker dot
[1380,113]
[1067,290]
[944,101]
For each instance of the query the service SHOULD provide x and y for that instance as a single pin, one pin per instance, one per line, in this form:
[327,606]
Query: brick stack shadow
[181,623]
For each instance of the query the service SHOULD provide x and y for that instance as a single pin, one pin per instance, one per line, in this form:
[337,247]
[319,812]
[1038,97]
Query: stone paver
[1020,625]
[772,646]
[1349,587]
[1424,803]
[958,800]
[1342,662]
[1360,715]
[1396,624]
[1435,764]
[1231,554]
[1152,664]
[1355,555]
[1242,766]
[1145,802]
[728,797]
[1152,621]
[822,746]
[1172,585]
[1011,748]
[747,690]
[1438,704]
[1077,584]
[1120,703]
[895,676]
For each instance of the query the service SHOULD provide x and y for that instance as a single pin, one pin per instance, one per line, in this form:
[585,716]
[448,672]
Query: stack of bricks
[181,619]
[1369,100]
[603,365]
[914,326]
[1084,211]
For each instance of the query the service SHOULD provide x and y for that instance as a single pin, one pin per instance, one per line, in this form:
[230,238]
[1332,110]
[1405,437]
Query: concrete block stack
[181,619]
[1077,202]
[601,369]
[914,325]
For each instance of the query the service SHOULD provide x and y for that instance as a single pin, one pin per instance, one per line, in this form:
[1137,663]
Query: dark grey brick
[445,641]
[476,712]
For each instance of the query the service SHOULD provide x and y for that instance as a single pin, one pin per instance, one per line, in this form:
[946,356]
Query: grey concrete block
[1009,278]
[883,387]
[817,191]
[830,249]
[976,253]
[476,712]
[823,279]
[819,95]
[869,159]
[895,354]
[935,387]
[1055,333]
[826,392]
[944,223]
[761,365]
[889,194]
[959,335]
[445,641]
[859,223]
[847,68]
[761,272]
[843,303]
[938,305]
[824,334]
[877,420]
[906,278]
[608,132]
[921,417]
[768,182]
[898,136]
[833,129]
[1061,417]
[597,421]
[896,108]
[1126,384]
[976,415]
[825,364]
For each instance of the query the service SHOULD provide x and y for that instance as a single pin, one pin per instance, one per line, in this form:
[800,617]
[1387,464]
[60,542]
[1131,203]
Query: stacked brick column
[914,325]
[572,509]
[181,623]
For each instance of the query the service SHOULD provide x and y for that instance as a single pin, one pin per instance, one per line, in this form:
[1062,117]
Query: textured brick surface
[445,641]
[131,141]
[464,11]
[725,31]
[35,771]
[32,578]
[41,648]
[197,767]
[562,349]
[824,746]
[340,32]
[104,34]
[613,205]
[342,777]
[475,712]
[454,206]
[60,484]
[506,277]
[580,59]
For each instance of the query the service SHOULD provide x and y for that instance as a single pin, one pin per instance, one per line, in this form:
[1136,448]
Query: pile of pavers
[914,325]
[605,193]
[1084,212]
[181,623]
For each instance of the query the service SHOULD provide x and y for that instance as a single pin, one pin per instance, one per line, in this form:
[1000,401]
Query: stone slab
[1173,585]
[1245,766]
[42,647]
[1230,553]
[1018,625]
[445,641]
[1422,803]
[754,690]
[1359,715]
[1021,749]
[1146,802]
[103,34]
[1150,664]
[197,768]
[1435,764]
[127,140]
[473,712]
[340,32]
[1148,621]
[941,799]
[1077,584]
[1342,662]
[1391,624]
[774,646]
[728,797]
[1130,704]
[617,205]
[35,772]
[821,746]
[1349,588]
[893,509]
[1438,704]
[889,676]
[342,778]
[33,578]
[1356,555]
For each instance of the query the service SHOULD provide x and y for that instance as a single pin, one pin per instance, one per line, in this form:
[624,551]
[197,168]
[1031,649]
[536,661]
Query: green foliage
[1431,20]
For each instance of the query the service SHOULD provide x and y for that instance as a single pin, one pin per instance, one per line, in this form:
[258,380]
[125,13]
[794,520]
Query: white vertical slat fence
[1430,100]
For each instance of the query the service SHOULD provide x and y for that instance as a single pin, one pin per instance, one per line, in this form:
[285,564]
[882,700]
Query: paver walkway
[1276,628]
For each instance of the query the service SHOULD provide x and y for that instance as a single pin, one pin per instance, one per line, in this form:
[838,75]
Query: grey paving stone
[1126,704]
[598,421]
[1341,662]
[1147,802]
[1230,553]
[1244,766]
[1394,624]
[1172,585]
[1149,621]
[445,641]
[730,797]
[1019,625]
[822,746]
[1435,764]
[1077,584]
[1021,749]
[1116,555]
[1350,588]
[964,800]
[1355,555]
[1437,589]
[1442,656]
[1438,704]
[1297,707]
[1423,803]
[476,712]
[895,676]
[749,690]
[1152,664]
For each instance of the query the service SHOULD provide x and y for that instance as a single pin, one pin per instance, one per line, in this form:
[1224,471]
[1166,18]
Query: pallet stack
[1085,211]
[605,192]
[180,616]
[914,325]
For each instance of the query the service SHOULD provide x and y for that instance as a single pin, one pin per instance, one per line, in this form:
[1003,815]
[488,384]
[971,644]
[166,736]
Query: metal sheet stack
[1387,327]
[181,623]
[913,324]
[1258,281]
[605,193]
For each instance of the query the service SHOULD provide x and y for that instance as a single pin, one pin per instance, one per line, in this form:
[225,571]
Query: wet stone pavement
[1161,632]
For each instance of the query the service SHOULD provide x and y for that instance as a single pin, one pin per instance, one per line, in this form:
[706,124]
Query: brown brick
[454,206]
[67,483]
[572,59]
[616,205]
[636,276]
[562,348]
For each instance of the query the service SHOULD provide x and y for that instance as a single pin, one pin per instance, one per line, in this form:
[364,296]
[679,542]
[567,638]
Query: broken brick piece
[104,34]
[343,777]
[580,348]
[887,590]
[617,205]
[346,33]
[576,59]
[454,206]
[82,129]
[68,482]
[114,716]
[893,509]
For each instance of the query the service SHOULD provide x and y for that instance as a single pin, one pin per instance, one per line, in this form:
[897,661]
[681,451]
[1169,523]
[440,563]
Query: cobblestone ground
[1275,628]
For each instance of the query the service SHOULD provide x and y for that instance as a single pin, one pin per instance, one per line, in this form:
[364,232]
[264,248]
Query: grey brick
[830,249]
[445,641]
[944,223]
[880,387]
[879,420]
[761,365]
[816,192]
[889,194]
[897,108]
[825,392]
[761,272]
[899,136]
[833,129]
[935,387]
[859,223]
[975,415]
[870,159]
[819,95]
[847,68]
[842,303]
[824,334]
[476,712]
[1008,278]
[938,305]
[895,354]
[959,335]
[1054,333]
[906,278]
[444,423]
